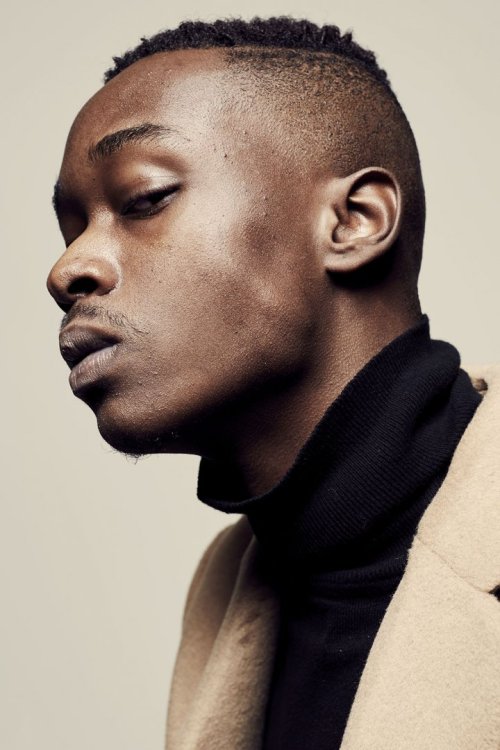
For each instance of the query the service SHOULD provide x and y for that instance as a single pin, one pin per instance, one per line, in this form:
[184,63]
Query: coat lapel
[221,679]
[431,680]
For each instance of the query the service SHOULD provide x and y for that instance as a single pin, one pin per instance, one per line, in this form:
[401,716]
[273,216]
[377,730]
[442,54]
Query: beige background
[96,552]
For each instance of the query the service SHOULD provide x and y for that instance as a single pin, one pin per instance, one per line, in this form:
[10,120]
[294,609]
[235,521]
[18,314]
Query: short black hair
[282,32]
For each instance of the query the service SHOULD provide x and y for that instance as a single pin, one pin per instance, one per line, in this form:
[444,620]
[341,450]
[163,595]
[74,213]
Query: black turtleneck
[336,530]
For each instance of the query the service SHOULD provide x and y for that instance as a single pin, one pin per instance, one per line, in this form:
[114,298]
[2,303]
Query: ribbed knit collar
[382,447]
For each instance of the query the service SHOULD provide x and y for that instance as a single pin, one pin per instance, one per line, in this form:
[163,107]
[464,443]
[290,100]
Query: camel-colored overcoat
[432,678]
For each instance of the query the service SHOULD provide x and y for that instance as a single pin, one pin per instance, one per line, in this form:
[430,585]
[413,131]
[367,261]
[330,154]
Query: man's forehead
[192,94]
[166,84]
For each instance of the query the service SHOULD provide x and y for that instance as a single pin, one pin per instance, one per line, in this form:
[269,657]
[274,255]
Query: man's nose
[80,273]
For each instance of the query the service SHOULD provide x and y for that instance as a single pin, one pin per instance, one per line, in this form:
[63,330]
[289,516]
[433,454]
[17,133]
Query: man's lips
[88,352]
[78,342]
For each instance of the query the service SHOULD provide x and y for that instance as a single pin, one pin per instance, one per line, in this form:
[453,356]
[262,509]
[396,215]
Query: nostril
[83,276]
[82,286]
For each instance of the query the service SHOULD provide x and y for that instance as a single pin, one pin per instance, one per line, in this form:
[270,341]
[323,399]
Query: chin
[137,432]
[128,441]
[136,439]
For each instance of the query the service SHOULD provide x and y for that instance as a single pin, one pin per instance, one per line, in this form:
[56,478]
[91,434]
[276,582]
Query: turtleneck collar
[373,461]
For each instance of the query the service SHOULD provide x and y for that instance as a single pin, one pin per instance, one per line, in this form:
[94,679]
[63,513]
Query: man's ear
[364,218]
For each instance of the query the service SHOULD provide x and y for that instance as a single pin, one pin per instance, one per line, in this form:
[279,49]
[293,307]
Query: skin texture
[235,322]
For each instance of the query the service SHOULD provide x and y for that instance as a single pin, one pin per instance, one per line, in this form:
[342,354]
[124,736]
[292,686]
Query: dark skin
[201,266]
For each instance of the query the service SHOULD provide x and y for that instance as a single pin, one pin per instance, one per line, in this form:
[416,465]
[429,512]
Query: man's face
[189,279]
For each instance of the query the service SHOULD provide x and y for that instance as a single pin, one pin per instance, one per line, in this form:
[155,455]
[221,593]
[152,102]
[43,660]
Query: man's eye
[147,204]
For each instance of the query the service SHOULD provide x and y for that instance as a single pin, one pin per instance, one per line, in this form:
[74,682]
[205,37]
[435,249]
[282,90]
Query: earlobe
[367,210]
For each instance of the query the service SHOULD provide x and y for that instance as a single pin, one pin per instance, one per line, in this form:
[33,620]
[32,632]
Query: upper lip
[78,342]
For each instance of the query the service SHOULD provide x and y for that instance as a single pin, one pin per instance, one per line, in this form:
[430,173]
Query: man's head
[238,202]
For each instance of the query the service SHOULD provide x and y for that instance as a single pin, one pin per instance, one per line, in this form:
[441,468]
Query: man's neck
[268,436]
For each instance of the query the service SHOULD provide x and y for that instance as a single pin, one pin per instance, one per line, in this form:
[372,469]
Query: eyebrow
[146,132]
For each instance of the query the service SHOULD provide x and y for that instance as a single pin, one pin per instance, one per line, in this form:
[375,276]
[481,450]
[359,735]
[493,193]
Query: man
[243,211]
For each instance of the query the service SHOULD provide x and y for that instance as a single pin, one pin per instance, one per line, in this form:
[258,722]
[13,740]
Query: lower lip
[91,369]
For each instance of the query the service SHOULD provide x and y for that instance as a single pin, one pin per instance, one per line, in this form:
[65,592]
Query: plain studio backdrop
[97,551]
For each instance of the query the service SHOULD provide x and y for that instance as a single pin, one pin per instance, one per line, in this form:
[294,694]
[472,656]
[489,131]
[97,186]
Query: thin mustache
[101,314]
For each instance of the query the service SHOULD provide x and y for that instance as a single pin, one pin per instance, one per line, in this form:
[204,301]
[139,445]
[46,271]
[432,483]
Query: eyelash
[163,194]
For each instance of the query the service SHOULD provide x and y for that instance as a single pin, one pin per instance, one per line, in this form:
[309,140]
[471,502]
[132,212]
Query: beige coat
[432,678]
